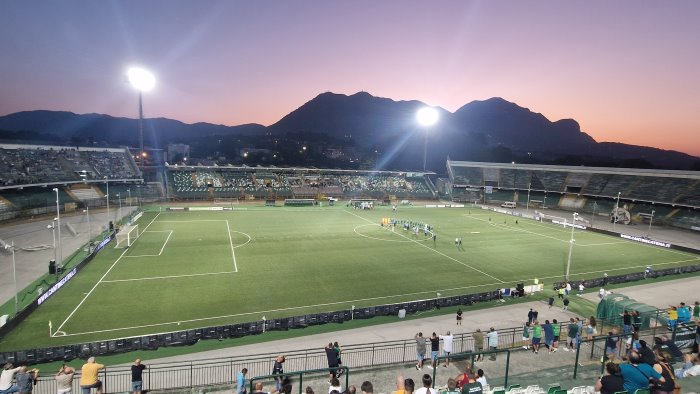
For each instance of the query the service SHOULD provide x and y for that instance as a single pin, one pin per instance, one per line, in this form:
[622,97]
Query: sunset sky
[627,71]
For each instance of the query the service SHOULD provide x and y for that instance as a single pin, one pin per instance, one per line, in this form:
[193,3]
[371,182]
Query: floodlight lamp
[141,79]
[55,189]
[427,116]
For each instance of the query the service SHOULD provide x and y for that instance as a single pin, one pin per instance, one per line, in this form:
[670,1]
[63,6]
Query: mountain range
[363,131]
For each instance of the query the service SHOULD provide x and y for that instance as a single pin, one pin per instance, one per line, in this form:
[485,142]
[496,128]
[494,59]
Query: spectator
[6,378]
[493,343]
[666,370]
[137,377]
[636,375]
[240,380]
[611,344]
[691,367]
[466,377]
[399,386]
[572,335]
[683,313]
[696,311]
[556,330]
[309,390]
[367,387]
[25,379]
[64,379]
[427,383]
[420,350]
[451,387]
[646,355]
[88,377]
[259,388]
[481,378]
[338,352]
[278,369]
[526,335]
[351,389]
[548,336]
[447,340]
[612,381]
[332,356]
[672,318]
[335,385]
[434,349]
[536,336]
[665,343]
[287,387]
[409,386]
[626,322]
[591,328]
[478,344]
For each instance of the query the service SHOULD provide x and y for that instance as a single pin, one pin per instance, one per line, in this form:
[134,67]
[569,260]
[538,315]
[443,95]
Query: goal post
[127,235]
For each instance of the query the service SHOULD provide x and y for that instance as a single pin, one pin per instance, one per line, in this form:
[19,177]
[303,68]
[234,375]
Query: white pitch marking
[167,277]
[99,281]
[161,249]
[235,266]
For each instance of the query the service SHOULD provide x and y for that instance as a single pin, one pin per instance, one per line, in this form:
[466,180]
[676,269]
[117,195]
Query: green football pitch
[205,268]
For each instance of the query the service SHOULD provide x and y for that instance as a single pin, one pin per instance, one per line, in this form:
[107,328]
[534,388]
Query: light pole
[571,245]
[58,221]
[527,207]
[52,226]
[87,213]
[595,204]
[143,81]
[119,197]
[14,273]
[651,218]
[427,117]
[107,197]
[617,206]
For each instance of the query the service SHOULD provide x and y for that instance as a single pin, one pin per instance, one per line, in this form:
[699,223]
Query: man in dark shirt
[434,348]
[332,357]
[137,376]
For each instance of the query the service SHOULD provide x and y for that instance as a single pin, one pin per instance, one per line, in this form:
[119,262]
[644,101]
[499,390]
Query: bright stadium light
[427,117]
[143,81]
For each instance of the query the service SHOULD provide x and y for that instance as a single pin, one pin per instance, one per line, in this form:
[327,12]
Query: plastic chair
[553,389]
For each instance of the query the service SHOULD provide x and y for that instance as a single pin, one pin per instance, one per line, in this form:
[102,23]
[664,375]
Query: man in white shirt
[447,346]
[8,374]
[426,389]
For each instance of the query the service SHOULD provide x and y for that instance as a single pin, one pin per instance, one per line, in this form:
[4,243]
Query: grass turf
[203,268]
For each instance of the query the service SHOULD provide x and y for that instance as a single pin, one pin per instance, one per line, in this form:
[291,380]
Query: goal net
[127,235]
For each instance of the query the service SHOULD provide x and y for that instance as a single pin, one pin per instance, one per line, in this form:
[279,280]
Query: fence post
[505,383]
[191,371]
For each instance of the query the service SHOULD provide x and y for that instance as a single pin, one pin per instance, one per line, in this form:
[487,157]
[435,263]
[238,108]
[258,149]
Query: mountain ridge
[364,126]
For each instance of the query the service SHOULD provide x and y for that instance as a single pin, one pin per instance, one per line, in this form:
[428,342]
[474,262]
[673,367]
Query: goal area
[127,235]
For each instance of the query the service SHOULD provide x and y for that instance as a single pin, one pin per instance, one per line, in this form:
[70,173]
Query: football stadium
[222,256]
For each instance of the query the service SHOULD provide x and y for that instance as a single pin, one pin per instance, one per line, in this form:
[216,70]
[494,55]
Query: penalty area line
[100,281]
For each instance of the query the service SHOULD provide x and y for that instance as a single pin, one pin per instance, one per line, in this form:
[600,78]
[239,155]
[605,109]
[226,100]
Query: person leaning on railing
[64,379]
[88,377]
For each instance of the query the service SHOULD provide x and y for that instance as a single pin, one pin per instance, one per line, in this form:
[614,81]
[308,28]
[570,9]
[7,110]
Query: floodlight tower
[143,81]
[427,117]
[58,223]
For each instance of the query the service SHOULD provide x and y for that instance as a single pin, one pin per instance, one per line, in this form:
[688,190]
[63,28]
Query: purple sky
[628,71]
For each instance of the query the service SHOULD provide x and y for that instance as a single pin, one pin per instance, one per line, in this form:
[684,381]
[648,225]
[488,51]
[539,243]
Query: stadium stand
[673,195]
[232,182]
[36,164]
